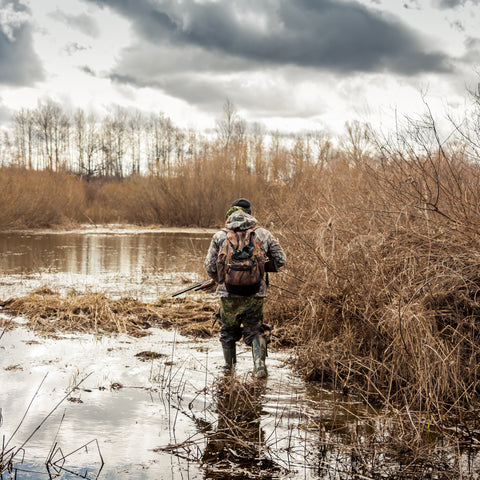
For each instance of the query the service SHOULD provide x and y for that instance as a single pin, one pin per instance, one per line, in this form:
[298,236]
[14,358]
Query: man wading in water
[236,260]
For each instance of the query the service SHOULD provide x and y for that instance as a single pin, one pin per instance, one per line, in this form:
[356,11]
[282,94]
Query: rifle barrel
[197,285]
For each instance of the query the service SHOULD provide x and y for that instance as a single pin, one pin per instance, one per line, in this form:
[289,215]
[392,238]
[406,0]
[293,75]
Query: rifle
[198,286]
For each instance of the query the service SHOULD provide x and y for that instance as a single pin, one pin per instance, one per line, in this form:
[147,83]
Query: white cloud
[11,20]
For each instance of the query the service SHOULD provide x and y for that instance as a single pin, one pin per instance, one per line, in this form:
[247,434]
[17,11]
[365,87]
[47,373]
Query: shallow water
[132,407]
[158,418]
[139,262]
[128,407]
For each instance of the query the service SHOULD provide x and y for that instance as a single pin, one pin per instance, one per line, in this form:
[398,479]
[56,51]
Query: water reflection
[236,446]
[144,264]
[241,429]
[92,254]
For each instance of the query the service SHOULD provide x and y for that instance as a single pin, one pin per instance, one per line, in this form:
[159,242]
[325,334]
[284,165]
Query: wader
[243,317]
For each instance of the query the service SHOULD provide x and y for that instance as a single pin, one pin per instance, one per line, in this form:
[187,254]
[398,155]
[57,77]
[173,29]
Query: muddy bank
[110,228]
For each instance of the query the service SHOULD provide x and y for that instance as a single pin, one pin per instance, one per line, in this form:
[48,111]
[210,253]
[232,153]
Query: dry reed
[383,267]
[39,199]
[235,442]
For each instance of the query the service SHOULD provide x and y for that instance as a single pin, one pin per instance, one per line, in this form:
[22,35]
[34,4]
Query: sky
[286,65]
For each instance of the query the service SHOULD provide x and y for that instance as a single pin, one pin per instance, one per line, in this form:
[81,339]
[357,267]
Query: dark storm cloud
[82,22]
[453,3]
[19,64]
[184,73]
[201,88]
[322,34]
[198,91]
[443,4]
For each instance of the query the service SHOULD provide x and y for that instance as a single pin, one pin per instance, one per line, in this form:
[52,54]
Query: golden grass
[380,295]
[38,199]
[49,313]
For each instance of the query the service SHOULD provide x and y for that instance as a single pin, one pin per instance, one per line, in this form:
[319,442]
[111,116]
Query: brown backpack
[241,262]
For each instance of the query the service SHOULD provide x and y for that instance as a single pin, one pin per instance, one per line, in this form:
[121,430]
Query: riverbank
[110,228]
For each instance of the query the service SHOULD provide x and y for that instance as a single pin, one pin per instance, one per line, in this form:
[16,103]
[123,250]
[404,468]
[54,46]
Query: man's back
[241,221]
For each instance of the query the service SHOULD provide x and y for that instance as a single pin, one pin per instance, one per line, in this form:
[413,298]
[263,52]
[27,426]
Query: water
[126,411]
[139,262]
[165,417]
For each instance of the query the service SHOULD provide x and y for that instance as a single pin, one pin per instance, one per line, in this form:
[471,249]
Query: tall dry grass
[381,295]
[193,194]
[37,199]
[184,200]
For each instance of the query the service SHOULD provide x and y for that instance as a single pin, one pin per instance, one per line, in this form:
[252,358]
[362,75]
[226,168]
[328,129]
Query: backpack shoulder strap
[249,233]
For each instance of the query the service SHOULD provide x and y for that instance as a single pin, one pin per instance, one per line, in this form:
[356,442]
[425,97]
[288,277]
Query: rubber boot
[230,356]
[259,352]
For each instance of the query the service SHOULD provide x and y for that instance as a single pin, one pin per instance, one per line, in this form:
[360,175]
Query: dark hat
[244,204]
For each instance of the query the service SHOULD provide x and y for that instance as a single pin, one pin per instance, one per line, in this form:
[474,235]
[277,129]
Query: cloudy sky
[286,64]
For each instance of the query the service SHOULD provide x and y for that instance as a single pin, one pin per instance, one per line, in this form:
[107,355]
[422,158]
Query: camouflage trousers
[240,316]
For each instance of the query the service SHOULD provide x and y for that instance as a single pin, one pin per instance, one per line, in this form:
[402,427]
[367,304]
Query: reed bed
[50,313]
[39,199]
[381,292]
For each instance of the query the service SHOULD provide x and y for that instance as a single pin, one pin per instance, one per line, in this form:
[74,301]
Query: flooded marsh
[85,403]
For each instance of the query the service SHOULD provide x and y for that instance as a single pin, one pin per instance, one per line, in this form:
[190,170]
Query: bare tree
[5,148]
[87,143]
[135,124]
[231,131]
[230,125]
[356,143]
[324,150]
[258,149]
[160,144]
[52,128]
[278,160]
[114,142]
[24,137]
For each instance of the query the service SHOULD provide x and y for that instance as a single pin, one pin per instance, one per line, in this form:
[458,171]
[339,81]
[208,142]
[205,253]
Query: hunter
[236,260]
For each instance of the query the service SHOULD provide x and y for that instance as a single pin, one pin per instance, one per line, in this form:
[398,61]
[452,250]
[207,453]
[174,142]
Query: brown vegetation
[49,313]
[384,271]
[37,199]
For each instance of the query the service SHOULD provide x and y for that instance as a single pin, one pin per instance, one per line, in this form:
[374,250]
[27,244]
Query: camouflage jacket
[240,220]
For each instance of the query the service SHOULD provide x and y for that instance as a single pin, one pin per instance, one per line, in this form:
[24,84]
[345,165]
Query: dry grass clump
[5,325]
[49,313]
[238,441]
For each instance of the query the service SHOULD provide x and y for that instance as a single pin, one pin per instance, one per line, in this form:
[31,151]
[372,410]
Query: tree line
[127,142]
